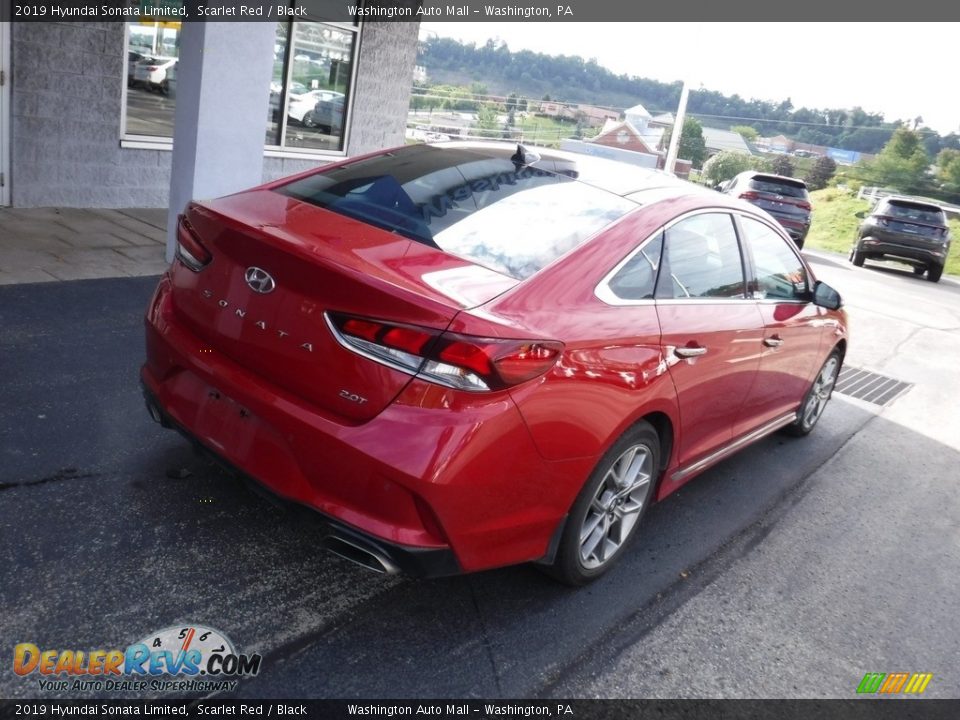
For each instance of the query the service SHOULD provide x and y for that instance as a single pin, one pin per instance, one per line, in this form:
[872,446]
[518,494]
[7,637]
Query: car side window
[637,279]
[780,274]
[701,259]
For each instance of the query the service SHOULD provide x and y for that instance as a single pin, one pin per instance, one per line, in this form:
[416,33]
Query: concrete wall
[67,82]
[65,140]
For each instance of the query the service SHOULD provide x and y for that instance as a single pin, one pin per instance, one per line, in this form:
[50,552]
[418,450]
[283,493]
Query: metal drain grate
[870,386]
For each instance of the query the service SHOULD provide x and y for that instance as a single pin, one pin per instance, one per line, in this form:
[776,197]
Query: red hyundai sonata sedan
[468,356]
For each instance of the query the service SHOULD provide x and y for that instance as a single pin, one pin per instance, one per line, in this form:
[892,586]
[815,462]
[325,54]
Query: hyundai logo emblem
[259,280]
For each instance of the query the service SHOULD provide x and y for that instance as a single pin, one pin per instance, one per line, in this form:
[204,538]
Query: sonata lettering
[262,324]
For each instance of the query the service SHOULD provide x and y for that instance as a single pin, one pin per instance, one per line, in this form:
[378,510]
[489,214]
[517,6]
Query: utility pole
[677,131]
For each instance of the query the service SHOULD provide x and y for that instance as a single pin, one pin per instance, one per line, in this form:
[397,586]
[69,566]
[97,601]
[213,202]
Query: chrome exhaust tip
[154,413]
[363,556]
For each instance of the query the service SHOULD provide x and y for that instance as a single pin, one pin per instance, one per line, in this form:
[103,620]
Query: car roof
[638,184]
[773,176]
[926,204]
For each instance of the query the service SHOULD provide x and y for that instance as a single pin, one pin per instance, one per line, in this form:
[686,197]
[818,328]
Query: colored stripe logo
[894,683]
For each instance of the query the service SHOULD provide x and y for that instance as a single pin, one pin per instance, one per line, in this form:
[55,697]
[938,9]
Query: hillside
[573,79]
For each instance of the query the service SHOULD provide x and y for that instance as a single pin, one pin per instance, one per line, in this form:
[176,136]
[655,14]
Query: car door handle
[774,341]
[689,352]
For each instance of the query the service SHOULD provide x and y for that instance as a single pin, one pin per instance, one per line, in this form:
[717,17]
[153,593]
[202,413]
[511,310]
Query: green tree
[948,169]
[820,173]
[902,164]
[692,145]
[725,165]
[486,125]
[782,165]
[748,133]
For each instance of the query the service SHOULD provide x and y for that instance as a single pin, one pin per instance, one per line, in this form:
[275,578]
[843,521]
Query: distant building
[663,120]
[724,141]
[778,144]
[593,115]
[625,135]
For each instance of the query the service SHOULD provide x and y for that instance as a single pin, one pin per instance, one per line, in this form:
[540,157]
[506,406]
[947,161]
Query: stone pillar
[223,94]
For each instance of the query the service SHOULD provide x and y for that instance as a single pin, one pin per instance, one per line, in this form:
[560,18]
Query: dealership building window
[313,70]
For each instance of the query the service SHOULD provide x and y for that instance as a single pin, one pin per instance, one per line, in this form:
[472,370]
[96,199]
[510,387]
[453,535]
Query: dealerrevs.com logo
[177,659]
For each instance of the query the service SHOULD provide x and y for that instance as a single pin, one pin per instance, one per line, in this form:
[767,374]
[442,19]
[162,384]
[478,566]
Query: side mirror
[860,214]
[826,296]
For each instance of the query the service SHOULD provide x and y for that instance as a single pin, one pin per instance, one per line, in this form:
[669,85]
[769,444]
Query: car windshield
[927,214]
[778,186]
[507,216]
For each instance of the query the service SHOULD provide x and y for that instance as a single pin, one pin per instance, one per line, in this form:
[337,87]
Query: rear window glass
[927,214]
[778,187]
[512,218]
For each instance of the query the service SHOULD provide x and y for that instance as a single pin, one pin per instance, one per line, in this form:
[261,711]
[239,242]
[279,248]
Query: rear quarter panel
[612,371]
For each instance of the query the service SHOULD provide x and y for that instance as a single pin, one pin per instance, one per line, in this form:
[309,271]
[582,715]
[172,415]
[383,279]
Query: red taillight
[460,361]
[190,250]
[749,195]
[152,68]
[406,339]
[803,204]
[527,361]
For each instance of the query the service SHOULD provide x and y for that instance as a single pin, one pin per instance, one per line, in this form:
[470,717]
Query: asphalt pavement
[789,570]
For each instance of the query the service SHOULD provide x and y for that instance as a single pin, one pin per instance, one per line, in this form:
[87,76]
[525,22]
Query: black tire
[608,506]
[919,270]
[817,397]
[856,257]
[934,273]
[308,119]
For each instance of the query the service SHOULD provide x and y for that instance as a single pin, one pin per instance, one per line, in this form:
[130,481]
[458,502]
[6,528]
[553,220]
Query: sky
[901,70]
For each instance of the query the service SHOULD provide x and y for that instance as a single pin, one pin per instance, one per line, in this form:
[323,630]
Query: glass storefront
[313,64]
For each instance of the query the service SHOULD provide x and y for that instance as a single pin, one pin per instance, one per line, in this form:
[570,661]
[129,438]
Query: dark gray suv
[908,231]
[785,198]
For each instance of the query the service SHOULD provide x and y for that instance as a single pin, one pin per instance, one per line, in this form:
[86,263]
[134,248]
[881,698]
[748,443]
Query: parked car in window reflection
[303,107]
[133,57]
[328,114]
[151,72]
[276,89]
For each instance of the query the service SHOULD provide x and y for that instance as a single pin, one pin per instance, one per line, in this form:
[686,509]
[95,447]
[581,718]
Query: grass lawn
[545,131]
[835,225]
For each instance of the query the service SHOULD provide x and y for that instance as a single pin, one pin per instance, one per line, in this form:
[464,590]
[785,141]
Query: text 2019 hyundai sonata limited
[468,356]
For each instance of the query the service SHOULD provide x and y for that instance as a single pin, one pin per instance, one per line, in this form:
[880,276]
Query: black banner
[863,709]
[351,11]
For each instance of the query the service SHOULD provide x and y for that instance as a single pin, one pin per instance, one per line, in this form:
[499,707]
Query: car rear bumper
[424,483]
[796,229]
[349,542]
[876,246]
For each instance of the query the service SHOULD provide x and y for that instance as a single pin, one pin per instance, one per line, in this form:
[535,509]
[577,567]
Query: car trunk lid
[280,265]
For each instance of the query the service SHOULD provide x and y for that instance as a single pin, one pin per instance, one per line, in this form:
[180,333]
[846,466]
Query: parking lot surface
[789,570]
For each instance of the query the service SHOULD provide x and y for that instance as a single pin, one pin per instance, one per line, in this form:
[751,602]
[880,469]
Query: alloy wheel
[820,394]
[616,506]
